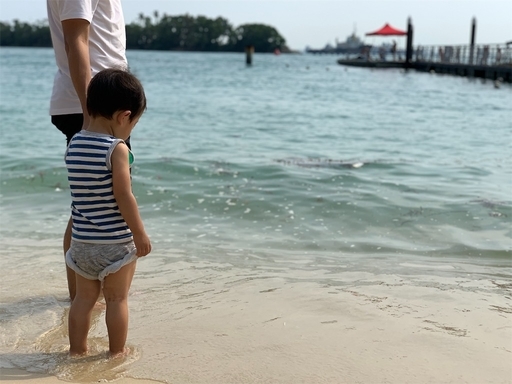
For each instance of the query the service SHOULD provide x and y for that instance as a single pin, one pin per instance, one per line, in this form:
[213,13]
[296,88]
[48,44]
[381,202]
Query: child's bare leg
[115,291]
[79,322]
[70,274]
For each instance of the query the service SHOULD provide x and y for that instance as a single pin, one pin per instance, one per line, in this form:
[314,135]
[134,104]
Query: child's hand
[143,244]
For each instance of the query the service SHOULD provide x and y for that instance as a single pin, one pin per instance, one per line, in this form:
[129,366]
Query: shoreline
[214,323]
[218,327]
[20,376]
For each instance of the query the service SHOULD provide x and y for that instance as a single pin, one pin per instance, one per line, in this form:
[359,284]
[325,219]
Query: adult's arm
[76,40]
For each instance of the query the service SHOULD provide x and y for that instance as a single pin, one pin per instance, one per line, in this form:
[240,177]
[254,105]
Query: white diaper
[95,261]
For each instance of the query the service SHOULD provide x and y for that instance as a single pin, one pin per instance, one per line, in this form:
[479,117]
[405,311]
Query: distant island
[165,32]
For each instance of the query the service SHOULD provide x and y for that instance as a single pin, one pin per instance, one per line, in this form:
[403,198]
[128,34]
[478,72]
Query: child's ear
[123,116]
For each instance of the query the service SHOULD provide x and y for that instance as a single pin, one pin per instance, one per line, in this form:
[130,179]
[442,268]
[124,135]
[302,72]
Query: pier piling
[408,52]
[472,42]
[249,50]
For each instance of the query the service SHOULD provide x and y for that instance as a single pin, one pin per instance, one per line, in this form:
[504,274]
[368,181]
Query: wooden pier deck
[490,72]
[486,62]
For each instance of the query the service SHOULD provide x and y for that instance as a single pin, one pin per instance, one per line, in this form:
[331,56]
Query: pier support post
[249,50]
[408,52]
[472,44]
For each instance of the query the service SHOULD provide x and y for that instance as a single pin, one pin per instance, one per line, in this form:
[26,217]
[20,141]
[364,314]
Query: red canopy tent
[387,30]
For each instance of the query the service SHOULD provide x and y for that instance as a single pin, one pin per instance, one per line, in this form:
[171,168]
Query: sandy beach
[379,329]
[386,331]
[17,376]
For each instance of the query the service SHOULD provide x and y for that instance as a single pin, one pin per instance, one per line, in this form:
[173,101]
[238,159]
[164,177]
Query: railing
[481,55]
[478,55]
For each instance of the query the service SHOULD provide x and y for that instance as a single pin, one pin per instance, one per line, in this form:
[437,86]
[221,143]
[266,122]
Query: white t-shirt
[107,44]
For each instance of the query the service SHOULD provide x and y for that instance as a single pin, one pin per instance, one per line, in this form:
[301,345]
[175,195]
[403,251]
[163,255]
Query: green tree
[182,32]
[6,35]
[22,34]
[263,38]
[164,32]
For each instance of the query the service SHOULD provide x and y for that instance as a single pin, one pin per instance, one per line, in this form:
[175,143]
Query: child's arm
[125,199]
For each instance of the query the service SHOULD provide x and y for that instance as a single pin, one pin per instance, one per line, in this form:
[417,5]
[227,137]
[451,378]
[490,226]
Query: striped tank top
[96,216]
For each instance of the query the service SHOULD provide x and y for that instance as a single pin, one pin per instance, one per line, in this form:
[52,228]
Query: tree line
[164,32]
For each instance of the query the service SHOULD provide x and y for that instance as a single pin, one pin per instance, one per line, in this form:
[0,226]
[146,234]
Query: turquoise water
[294,154]
[295,165]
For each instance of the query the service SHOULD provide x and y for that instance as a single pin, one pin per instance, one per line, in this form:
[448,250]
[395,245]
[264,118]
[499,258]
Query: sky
[315,23]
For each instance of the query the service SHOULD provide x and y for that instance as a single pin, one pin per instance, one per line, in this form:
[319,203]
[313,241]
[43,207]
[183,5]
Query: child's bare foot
[77,354]
[125,352]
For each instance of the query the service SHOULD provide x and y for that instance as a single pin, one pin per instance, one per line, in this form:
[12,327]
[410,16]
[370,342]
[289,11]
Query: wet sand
[224,326]
[17,376]
[385,331]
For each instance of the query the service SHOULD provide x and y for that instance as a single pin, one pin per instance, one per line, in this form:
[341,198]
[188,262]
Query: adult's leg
[69,125]
[66,243]
[79,321]
[115,290]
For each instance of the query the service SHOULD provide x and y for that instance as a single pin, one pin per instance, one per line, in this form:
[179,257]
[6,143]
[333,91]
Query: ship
[352,45]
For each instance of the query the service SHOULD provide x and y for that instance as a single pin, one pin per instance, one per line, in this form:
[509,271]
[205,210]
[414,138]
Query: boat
[352,45]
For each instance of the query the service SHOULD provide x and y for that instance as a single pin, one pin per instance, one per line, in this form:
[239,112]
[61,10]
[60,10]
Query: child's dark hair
[113,90]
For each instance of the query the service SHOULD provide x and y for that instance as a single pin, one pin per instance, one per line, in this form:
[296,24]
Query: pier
[493,62]
[486,61]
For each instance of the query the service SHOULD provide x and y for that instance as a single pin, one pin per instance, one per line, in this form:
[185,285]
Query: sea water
[293,165]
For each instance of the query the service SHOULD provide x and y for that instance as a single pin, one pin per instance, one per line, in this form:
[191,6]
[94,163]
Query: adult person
[393,50]
[87,36]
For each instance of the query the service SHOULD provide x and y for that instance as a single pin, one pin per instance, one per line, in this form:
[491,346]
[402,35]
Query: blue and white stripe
[96,216]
